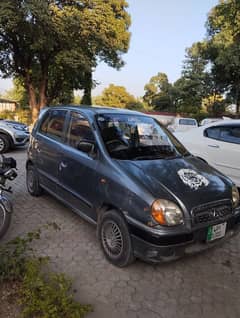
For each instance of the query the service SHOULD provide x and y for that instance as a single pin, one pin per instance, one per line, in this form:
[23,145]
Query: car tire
[4,143]
[32,181]
[115,239]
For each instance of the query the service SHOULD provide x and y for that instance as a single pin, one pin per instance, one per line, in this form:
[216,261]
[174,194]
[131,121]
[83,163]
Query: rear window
[53,124]
[188,122]
[229,134]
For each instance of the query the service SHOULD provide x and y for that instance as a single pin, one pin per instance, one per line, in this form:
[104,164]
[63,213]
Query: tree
[17,93]
[223,47]
[197,82]
[214,105]
[159,93]
[55,44]
[116,96]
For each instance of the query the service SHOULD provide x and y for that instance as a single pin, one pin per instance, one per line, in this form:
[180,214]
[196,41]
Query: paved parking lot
[206,285]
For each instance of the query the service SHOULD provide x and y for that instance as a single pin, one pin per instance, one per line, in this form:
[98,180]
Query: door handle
[62,165]
[213,146]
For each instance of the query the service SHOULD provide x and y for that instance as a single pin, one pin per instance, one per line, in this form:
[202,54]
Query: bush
[48,294]
[43,293]
[13,256]
[21,115]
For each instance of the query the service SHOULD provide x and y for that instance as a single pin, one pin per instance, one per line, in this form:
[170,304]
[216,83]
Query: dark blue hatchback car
[121,170]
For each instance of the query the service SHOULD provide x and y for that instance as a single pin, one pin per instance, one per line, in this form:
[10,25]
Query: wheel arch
[104,207]
[5,133]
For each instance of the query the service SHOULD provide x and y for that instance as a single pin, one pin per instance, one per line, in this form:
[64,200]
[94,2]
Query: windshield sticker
[192,178]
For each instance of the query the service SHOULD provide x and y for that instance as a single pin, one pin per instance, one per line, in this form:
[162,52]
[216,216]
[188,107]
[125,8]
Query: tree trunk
[87,97]
[32,100]
[43,86]
[42,94]
[238,107]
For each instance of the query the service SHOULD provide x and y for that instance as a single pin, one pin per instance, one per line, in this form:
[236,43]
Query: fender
[4,132]
[6,203]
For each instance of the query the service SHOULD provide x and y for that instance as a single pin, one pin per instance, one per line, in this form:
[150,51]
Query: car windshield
[136,137]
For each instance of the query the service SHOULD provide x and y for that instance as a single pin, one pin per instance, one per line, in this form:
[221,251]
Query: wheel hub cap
[112,238]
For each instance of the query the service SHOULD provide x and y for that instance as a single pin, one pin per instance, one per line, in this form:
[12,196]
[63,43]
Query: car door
[47,146]
[78,169]
[223,146]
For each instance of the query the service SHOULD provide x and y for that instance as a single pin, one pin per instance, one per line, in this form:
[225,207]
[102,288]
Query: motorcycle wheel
[5,220]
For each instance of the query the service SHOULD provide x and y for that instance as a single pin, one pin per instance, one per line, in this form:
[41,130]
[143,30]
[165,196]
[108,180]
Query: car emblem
[192,179]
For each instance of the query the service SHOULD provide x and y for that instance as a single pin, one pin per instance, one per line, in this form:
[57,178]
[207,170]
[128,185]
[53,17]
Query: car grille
[211,212]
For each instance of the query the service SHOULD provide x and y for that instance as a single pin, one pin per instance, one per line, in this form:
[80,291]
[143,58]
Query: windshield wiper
[155,157]
[149,157]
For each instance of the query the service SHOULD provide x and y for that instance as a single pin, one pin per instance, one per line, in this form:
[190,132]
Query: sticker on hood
[193,179]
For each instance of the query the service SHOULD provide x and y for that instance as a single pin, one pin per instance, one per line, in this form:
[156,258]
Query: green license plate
[216,231]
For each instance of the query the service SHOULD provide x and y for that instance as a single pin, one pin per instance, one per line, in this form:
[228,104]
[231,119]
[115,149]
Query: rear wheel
[5,220]
[33,185]
[115,239]
[4,143]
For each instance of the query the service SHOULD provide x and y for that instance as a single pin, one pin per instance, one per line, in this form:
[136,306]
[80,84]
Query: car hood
[188,179]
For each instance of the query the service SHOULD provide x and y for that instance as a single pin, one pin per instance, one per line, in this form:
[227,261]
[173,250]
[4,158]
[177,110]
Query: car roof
[93,110]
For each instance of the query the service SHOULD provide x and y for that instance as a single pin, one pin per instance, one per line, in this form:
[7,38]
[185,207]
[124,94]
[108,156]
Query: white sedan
[218,144]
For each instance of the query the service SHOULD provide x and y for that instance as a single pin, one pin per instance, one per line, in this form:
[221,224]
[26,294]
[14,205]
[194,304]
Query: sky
[161,30]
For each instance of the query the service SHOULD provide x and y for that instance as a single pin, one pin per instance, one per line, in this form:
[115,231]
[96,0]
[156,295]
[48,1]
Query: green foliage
[43,294]
[17,93]
[77,99]
[217,108]
[159,93]
[21,115]
[53,46]
[194,84]
[7,114]
[13,256]
[223,49]
[47,295]
[136,105]
[116,96]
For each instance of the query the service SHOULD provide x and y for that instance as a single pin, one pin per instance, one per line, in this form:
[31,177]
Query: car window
[137,137]
[212,132]
[230,134]
[78,130]
[189,122]
[53,124]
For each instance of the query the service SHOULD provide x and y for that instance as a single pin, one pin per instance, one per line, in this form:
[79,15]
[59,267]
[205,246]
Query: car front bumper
[20,139]
[167,248]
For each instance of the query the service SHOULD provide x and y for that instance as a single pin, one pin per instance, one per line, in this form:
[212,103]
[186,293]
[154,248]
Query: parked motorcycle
[7,172]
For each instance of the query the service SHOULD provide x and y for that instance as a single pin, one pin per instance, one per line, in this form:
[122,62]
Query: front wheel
[5,220]
[115,239]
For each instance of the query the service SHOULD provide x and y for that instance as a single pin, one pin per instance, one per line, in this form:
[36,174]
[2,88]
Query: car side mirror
[87,146]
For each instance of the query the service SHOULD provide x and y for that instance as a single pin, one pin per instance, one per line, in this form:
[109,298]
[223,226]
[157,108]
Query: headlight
[235,196]
[166,213]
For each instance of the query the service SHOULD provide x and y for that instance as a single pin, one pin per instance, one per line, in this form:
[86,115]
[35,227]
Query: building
[8,105]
